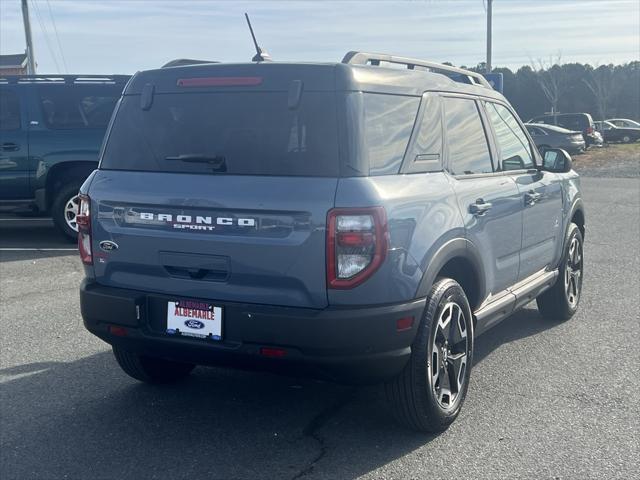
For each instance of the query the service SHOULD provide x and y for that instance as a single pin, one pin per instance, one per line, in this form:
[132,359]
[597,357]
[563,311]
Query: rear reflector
[118,331]
[404,323]
[273,352]
[219,82]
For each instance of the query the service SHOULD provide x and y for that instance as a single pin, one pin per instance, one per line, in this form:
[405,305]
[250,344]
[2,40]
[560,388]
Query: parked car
[624,122]
[572,121]
[550,136]
[362,222]
[611,133]
[51,128]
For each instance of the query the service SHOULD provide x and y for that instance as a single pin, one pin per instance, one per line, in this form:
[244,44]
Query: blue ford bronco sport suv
[360,221]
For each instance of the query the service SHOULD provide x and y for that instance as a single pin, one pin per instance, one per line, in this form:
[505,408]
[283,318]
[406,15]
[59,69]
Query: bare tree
[551,79]
[601,82]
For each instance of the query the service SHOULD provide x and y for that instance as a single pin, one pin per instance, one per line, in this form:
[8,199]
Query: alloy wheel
[71,212]
[449,355]
[573,273]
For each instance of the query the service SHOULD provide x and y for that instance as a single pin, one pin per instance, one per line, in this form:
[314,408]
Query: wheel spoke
[458,332]
[457,366]
[444,322]
[445,397]
[435,366]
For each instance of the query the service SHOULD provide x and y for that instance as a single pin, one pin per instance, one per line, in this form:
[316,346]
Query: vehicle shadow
[86,419]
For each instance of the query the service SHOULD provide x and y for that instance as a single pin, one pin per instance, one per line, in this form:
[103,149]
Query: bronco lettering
[189,221]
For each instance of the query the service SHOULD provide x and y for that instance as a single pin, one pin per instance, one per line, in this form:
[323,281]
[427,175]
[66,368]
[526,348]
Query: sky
[124,36]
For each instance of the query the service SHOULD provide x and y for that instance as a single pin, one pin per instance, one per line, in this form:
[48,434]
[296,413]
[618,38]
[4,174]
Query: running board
[514,299]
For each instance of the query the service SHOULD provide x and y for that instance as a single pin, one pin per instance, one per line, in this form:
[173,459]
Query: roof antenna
[261,54]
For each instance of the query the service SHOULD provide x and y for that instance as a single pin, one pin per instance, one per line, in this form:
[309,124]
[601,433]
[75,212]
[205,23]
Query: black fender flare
[455,248]
[577,205]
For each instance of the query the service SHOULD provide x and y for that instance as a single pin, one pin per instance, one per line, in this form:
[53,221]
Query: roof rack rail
[75,79]
[455,73]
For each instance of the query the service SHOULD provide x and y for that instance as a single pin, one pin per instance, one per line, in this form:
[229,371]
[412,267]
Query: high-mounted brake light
[357,242]
[219,82]
[83,220]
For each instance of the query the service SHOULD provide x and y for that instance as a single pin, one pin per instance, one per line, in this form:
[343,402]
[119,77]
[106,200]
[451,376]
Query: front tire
[428,394]
[151,369]
[561,301]
[64,210]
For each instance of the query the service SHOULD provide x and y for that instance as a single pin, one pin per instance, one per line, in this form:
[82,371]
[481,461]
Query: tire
[63,215]
[150,369]
[561,301]
[417,395]
[626,139]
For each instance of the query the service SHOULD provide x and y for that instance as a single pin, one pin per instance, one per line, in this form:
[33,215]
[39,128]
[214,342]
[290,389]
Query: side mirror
[557,160]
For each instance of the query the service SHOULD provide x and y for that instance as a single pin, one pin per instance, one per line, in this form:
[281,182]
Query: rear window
[388,123]
[242,133]
[78,106]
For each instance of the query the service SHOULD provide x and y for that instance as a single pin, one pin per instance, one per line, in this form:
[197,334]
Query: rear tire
[151,369]
[64,210]
[428,394]
[626,139]
[561,301]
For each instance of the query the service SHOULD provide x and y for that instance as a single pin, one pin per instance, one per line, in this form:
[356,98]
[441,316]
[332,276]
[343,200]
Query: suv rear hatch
[218,186]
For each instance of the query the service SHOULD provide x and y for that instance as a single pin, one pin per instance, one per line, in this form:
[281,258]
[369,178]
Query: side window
[72,106]
[466,139]
[388,121]
[9,110]
[515,151]
[426,147]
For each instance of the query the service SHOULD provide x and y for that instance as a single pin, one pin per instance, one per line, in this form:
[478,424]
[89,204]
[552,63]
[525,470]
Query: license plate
[194,318]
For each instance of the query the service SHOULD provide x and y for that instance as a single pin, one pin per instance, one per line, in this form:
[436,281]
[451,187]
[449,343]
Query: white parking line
[7,249]
[25,220]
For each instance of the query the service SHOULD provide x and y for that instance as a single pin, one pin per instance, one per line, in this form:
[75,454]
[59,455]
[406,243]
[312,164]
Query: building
[13,64]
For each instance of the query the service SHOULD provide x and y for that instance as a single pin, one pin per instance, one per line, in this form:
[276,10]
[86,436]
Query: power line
[45,34]
[55,29]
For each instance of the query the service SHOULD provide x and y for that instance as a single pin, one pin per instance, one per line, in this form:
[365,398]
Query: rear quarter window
[388,122]
[78,106]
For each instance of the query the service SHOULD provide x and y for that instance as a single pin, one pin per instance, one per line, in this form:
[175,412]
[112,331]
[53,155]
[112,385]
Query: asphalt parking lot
[546,401]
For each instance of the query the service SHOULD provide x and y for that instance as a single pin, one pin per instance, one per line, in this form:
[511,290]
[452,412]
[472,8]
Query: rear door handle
[531,197]
[9,147]
[479,208]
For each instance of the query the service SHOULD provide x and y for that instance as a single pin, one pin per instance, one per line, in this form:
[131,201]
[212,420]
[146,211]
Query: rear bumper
[575,147]
[359,345]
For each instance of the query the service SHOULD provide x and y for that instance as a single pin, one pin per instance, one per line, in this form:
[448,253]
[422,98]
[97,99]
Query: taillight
[589,130]
[357,242]
[84,230]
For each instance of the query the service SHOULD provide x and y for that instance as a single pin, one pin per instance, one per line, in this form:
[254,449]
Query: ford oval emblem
[194,324]
[108,245]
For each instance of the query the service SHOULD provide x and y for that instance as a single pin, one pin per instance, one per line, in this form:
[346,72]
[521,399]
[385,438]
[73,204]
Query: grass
[614,152]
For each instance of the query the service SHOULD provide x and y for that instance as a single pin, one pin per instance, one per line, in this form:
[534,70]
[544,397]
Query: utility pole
[488,66]
[31,65]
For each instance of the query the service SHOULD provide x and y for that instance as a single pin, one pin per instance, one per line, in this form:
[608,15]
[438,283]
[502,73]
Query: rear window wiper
[217,162]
